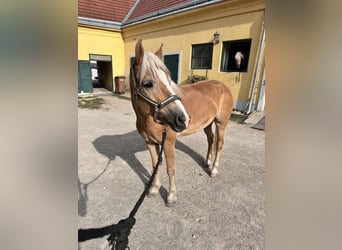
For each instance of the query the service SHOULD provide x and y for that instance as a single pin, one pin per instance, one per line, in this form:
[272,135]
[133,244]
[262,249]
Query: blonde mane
[152,64]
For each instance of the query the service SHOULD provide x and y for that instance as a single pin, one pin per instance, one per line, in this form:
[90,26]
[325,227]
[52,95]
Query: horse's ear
[139,52]
[159,52]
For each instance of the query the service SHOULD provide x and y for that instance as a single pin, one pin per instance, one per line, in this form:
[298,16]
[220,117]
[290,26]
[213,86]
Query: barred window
[201,57]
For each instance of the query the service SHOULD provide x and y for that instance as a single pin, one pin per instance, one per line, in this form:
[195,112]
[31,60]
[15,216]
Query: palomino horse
[160,104]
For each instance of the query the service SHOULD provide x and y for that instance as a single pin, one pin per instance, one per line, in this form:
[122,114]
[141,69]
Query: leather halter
[157,105]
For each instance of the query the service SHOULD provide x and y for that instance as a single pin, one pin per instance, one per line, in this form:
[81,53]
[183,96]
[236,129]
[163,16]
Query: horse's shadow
[127,145]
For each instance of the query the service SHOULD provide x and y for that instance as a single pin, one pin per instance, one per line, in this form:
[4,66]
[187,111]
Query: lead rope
[118,233]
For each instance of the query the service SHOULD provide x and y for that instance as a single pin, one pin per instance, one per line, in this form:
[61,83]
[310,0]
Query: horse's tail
[214,149]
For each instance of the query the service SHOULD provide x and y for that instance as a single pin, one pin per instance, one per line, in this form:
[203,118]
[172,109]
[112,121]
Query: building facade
[222,40]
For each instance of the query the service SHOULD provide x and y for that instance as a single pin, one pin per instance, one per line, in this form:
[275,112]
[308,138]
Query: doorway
[84,77]
[171,61]
[101,71]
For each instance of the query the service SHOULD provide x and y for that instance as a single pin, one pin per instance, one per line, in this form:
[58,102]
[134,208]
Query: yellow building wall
[93,40]
[234,20]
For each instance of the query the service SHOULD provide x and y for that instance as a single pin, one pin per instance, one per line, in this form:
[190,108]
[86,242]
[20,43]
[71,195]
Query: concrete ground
[225,212]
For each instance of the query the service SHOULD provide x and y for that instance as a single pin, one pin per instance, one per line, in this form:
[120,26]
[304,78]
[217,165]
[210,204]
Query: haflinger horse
[160,104]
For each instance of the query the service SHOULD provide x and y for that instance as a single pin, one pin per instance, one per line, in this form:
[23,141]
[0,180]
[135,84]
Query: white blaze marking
[163,78]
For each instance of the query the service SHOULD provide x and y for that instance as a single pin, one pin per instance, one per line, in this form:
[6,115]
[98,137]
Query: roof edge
[169,11]
[150,17]
[99,23]
[131,11]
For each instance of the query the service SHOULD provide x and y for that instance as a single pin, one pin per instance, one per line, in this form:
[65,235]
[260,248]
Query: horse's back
[212,89]
[222,96]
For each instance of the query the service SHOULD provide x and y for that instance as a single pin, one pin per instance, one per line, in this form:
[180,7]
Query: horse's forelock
[152,64]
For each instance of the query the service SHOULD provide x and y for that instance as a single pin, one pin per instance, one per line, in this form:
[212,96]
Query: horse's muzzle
[175,115]
[181,122]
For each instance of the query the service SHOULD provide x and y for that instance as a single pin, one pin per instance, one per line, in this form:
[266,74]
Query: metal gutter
[99,23]
[170,11]
[256,72]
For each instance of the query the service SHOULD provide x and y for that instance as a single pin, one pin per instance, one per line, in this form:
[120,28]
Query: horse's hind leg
[210,138]
[220,132]
[154,151]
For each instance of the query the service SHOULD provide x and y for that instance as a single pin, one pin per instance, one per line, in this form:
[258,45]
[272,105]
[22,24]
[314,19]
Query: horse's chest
[149,131]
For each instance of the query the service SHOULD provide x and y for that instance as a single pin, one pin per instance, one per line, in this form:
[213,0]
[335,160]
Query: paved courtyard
[225,212]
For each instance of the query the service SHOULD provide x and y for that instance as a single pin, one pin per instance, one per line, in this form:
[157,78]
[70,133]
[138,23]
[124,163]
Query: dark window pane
[205,62]
[196,63]
[202,56]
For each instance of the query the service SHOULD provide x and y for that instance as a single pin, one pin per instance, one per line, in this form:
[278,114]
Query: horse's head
[154,90]
[239,59]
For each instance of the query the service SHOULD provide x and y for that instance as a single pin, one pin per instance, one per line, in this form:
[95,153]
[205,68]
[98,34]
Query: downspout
[256,72]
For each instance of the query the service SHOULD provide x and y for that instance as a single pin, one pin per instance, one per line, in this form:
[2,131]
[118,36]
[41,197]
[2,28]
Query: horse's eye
[148,84]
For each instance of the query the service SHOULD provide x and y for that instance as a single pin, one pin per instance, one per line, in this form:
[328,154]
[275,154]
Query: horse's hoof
[171,200]
[171,203]
[153,191]
[151,195]
[213,172]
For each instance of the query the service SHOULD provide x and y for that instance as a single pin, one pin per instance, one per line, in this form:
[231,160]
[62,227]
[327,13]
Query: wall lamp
[216,38]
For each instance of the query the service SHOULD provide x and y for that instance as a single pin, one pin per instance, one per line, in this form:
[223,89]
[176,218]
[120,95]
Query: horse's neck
[175,87]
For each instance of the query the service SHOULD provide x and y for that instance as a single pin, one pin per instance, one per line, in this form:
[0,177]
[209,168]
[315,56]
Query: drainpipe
[256,72]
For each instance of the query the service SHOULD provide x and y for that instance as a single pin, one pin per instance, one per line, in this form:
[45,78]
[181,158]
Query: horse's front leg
[154,151]
[170,162]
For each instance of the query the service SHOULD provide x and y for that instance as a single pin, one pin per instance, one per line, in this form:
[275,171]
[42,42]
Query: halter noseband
[157,105]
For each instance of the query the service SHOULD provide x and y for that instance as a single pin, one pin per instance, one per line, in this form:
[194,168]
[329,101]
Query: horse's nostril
[180,120]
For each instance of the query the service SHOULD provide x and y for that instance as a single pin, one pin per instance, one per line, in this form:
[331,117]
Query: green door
[172,62]
[84,77]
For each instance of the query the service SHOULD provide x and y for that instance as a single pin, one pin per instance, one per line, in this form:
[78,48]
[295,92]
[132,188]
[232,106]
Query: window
[201,57]
[235,55]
